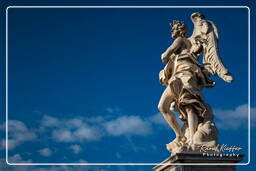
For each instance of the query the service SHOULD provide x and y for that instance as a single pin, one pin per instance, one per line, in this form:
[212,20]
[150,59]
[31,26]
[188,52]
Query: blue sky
[83,83]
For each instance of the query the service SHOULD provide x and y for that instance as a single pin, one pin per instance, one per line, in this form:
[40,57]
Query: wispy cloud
[234,119]
[76,148]
[82,129]
[128,125]
[18,159]
[18,133]
[46,152]
[49,121]
[231,119]
[70,130]
[63,135]
[157,119]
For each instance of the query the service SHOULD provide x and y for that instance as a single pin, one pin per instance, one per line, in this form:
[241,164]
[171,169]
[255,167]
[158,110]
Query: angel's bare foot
[179,141]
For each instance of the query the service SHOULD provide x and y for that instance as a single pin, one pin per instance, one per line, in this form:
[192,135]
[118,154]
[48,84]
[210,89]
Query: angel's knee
[162,108]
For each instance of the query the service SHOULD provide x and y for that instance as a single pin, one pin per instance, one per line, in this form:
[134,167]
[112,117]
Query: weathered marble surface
[185,78]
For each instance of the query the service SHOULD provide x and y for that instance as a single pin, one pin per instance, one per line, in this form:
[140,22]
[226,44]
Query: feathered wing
[214,29]
[211,58]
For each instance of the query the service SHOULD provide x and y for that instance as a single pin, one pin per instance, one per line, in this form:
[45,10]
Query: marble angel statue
[184,78]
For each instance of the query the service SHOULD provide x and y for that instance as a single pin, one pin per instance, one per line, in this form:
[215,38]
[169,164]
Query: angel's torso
[183,46]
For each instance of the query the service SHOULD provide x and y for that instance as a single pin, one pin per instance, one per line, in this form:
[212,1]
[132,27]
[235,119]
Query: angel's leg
[169,116]
[192,122]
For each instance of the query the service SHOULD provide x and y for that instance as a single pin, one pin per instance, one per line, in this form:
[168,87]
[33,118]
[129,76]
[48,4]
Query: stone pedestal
[198,158]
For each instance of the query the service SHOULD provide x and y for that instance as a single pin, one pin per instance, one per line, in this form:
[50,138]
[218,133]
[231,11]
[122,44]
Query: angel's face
[175,31]
[197,18]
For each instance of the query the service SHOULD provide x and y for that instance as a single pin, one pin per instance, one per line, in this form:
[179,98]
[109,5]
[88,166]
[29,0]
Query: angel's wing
[211,58]
[214,29]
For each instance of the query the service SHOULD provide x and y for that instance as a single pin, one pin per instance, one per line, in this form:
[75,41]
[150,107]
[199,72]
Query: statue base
[179,158]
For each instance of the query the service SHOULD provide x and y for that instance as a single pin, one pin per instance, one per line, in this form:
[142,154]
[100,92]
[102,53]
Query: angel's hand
[164,58]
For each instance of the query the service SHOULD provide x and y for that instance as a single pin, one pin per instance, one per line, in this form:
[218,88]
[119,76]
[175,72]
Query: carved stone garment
[186,83]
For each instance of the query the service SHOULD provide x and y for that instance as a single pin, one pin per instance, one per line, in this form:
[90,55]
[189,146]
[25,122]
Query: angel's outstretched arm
[173,48]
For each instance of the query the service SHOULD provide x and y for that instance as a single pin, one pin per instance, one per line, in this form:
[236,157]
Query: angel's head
[196,16]
[178,29]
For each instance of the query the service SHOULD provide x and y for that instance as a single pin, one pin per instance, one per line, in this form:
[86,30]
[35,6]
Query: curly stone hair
[181,26]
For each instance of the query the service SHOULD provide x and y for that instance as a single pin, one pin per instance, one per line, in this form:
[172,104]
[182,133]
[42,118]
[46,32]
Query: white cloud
[63,135]
[46,152]
[80,129]
[83,129]
[70,130]
[76,148]
[77,129]
[96,119]
[49,121]
[84,133]
[87,133]
[158,119]
[74,123]
[18,159]
[234,118]
[132,125]
[18,133]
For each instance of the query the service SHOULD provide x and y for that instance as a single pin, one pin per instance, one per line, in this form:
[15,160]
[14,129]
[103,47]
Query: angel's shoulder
[178,40]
